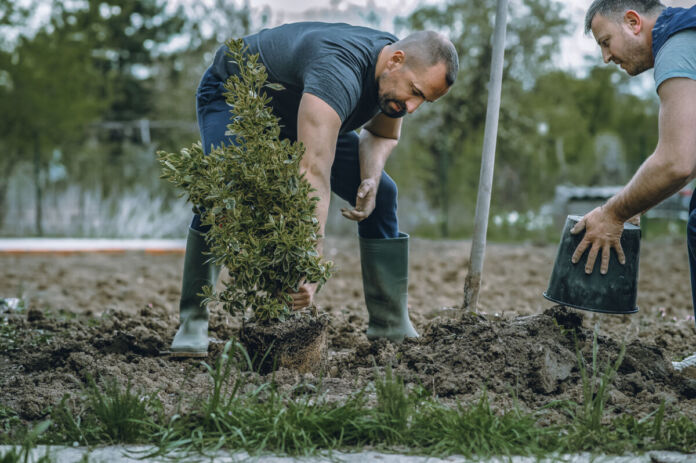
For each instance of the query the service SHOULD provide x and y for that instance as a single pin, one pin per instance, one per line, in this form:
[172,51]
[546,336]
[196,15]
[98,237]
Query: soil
[299,343]
[109,316]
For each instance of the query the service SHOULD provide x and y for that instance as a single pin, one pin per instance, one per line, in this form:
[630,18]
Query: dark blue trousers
[214,115]
[691,245]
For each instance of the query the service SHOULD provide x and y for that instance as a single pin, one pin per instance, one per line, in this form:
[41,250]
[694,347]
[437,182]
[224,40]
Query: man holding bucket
[638,35]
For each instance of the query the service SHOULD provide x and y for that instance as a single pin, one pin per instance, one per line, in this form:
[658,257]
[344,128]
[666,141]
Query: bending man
[337,78]
[638,35]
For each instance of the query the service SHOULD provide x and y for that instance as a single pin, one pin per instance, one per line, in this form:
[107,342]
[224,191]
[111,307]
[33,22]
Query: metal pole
[472,284]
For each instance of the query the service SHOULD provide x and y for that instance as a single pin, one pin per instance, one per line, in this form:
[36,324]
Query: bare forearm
[656,180]
[317,128]
[673,163]
[374,151]
[320,181]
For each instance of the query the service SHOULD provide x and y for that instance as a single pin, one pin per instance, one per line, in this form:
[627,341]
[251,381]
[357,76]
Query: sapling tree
[260,208]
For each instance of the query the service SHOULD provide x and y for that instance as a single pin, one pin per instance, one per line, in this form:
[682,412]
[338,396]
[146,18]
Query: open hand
[602,232]
[364,202]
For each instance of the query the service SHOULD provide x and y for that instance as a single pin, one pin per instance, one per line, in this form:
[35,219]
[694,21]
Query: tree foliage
[548,118]
[125,38]
[534,27]
[49,93]
[262,218]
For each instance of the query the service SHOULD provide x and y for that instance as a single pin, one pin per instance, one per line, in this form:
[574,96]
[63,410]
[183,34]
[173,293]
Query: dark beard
[384,100]
[387,110]
[639,61]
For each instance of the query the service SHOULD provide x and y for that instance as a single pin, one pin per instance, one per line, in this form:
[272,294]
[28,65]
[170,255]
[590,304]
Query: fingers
[594,251]
[579,251]
[363,190]
[591,258]
[304,297]
[300,304]
[301,299]
[604,266]
[580,226]
[620,253]
[602,233]
[354,214]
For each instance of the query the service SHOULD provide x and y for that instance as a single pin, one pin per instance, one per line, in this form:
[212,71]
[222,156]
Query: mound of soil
[110,316]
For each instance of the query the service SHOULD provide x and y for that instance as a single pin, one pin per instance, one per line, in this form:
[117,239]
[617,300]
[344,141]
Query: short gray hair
[609,8]
[428,48]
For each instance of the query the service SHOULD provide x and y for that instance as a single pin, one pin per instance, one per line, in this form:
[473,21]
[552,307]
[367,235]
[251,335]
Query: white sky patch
[578,51]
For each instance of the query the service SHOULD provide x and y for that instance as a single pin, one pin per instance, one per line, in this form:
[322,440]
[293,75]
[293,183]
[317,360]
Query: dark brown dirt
[299,343]
[109,316]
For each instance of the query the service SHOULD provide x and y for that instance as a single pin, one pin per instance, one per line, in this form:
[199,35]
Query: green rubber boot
[191,340]
[385,282]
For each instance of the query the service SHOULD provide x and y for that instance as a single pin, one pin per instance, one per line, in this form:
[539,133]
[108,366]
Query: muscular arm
[317,128]
[665,171]
[673,163]
[377,140]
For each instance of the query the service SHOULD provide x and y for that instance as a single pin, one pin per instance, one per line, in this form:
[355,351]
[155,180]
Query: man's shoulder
[677,57]
[679,39]
[327,27]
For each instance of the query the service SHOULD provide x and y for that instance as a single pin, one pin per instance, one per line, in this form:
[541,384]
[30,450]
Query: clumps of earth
[528,360]
[108,316]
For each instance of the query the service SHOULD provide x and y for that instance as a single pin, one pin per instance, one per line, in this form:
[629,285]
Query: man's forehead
[601,25]
[433,81]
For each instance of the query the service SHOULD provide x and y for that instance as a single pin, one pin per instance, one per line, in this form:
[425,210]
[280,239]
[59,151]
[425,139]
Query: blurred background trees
[89,90]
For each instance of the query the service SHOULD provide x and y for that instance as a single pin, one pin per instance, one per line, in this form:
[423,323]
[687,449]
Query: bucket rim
[567,304]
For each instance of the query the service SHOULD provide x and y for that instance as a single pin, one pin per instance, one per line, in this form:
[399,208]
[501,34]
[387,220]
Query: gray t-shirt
[677,57]
[335,62]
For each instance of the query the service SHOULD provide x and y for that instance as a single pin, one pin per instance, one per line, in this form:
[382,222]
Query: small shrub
[262,218]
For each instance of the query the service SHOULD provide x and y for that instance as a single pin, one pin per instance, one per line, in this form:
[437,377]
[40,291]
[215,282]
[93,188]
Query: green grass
[386,415]
[111,414]
[22,453]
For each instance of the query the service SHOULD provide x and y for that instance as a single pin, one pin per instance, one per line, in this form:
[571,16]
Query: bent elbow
[683,170]
[677,161]
[314,169]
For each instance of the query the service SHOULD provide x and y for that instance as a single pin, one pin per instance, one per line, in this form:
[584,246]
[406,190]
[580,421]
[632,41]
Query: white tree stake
[472,284]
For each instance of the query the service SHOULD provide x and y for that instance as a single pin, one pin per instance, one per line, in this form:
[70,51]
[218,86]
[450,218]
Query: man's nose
[412,104]
[606,56]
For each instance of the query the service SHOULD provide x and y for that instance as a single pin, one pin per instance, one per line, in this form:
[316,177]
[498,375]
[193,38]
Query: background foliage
[76,83]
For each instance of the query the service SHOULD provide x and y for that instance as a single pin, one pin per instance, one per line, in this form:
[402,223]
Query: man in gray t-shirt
[337,78]
[638,35]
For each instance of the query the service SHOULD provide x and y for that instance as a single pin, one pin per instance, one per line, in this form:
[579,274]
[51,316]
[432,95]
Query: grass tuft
[113,414]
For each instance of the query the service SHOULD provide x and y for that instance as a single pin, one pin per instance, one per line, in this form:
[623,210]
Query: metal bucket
[613,293]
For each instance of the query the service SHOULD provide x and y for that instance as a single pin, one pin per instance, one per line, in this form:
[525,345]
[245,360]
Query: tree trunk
[38,187]
[472,284]
[4,185]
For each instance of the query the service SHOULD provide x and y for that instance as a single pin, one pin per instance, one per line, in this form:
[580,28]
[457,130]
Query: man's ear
[396,60]
[634,21]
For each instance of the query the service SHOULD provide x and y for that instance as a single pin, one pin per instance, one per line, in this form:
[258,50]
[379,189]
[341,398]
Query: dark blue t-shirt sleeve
[335,83]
